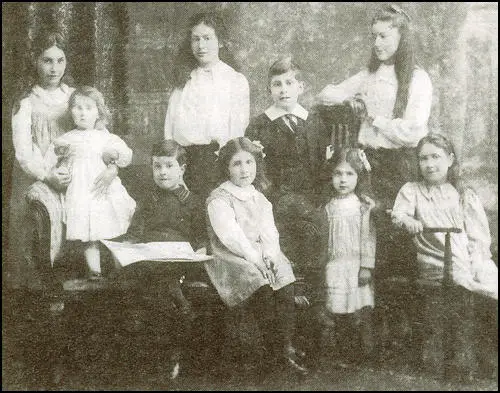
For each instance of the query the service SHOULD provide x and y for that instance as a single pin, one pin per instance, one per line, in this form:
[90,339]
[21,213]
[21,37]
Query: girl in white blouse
[398,96]
[210,103]
[38,117]
[438,200]
[249,268]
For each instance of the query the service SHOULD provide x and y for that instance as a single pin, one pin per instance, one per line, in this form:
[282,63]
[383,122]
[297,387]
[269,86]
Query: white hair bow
[364,160]
[329,152]
[260,146]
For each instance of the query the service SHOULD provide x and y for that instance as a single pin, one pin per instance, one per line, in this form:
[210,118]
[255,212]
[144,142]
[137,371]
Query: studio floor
[100,355]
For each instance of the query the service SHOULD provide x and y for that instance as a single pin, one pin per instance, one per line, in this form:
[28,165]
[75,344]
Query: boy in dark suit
[169,212]
[295,142]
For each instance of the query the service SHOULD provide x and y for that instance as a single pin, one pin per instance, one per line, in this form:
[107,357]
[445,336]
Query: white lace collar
[241,193]
[274,112]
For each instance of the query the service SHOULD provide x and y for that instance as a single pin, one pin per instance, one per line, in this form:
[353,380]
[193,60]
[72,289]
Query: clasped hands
[270,270]
[264,264]
[58,178]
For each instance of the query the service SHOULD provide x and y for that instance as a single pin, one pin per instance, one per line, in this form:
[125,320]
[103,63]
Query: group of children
[242,232]
[271,181]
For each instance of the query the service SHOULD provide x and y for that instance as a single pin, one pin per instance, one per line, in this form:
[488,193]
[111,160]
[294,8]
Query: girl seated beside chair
[439,200]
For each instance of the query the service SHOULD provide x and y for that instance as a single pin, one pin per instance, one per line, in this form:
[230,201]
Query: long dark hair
[356,158]
[236,145]
[185,61]
[441,142]
[405,62]
[43,41]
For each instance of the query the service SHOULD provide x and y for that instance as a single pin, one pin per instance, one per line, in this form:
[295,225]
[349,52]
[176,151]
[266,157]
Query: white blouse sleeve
[476,225]
[269,232]
[225,226]
[124,152]
[50,157]
[173,104]
[485,271]
[406,132]
[27,153]
[404,205]
[240,108]
[336,94]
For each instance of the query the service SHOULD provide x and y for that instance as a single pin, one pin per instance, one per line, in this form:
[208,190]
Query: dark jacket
[165,215]
[293,160]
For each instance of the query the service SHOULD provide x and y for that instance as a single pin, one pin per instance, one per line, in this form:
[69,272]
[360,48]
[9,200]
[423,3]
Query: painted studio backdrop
[127,49]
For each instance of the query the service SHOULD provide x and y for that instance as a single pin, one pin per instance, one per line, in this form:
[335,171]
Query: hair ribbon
[400,11]
[260,146]
[329,152]
[364,160]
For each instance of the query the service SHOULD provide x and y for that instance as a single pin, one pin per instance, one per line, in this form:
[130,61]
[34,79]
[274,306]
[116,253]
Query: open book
[126,253]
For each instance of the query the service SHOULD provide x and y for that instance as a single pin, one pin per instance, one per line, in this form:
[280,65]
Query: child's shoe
[301,302]
[174,372]
[293,364]
[293,361]
[297,352]
[174,364]
[96,276]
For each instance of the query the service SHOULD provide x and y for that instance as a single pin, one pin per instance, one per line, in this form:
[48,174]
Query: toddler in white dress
[96,206]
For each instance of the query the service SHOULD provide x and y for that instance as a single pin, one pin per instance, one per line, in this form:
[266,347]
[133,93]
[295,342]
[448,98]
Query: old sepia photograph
[250,196]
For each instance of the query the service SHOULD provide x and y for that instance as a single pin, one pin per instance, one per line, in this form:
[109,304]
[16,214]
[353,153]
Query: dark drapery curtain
[97,35]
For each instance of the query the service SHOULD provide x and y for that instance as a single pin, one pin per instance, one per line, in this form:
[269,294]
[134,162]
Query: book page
[126,253]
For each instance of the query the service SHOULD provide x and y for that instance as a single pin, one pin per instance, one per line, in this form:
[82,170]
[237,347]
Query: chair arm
[44,199]
[38,241]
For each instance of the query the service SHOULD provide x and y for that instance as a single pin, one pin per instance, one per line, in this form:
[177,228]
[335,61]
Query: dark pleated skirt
[202,170]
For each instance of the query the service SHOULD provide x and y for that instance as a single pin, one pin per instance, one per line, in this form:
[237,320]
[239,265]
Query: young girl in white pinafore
[348,256]
[249,269]
[93,213]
